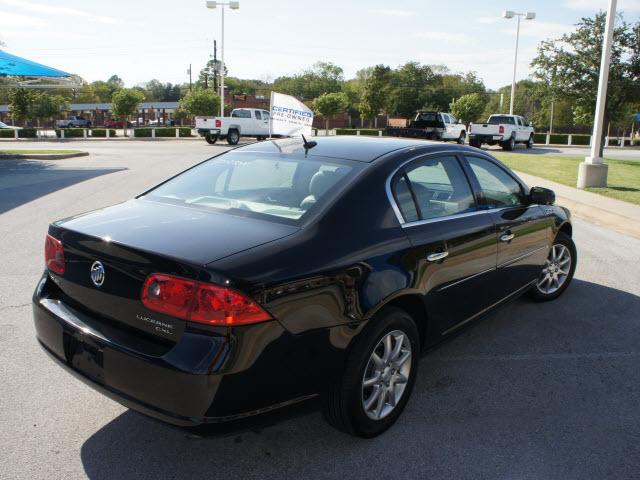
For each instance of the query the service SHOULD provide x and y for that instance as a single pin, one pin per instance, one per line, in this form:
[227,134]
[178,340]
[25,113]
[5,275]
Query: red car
[116,124]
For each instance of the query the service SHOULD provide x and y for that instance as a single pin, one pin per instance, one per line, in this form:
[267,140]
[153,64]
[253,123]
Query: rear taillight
[218,123]
[200,302]
[501,129]
[54,255]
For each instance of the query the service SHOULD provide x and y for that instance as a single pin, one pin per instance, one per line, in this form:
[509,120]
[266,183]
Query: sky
[143,39]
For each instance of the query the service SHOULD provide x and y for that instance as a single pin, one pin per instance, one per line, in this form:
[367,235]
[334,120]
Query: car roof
[347,147]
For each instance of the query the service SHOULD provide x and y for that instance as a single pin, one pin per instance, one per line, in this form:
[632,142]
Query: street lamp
[593,171]
[527,16]
[233,5]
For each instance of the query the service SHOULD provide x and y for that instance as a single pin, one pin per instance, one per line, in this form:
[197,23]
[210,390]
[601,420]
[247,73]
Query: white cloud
[447,37]
[541,30]
[623,5]
[43,8]
[8,20]
[393,13]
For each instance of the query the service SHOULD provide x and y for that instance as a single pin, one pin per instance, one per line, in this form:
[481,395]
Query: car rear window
[496,119]
[259,184]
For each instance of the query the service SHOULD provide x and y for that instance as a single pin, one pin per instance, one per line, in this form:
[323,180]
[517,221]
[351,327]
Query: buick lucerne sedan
[285,270]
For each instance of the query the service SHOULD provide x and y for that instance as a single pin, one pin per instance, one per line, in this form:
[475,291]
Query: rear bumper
[205,377]
[208,131]
[486,138]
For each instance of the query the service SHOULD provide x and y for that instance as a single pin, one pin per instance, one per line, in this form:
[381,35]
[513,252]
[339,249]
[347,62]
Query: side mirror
[542,196]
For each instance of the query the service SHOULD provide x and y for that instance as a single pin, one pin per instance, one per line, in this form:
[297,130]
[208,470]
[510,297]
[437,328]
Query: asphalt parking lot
[540,391]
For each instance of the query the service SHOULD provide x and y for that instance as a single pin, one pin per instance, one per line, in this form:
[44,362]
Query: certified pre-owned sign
[289,116]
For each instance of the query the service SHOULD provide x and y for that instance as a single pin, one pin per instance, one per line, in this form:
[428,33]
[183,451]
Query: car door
[453,253]
[264,126]
[523,230]
[522,130]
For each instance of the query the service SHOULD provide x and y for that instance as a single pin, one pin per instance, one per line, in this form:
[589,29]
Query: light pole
[527,16]
[593,171]
[233,5]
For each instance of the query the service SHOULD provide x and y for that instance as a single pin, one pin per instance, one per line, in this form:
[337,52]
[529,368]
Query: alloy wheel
[556,269]
[386,375]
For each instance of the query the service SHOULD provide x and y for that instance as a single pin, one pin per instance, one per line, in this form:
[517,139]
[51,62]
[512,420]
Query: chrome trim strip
[517,259]
[60,310]
[457,282]
[443,218]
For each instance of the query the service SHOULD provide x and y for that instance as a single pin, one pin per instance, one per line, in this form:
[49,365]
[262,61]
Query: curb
[44,156]
[603,218]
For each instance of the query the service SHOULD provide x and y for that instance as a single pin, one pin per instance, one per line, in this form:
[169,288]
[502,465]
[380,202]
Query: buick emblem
[97,273]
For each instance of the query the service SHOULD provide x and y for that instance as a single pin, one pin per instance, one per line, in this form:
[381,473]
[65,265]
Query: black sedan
[283,270]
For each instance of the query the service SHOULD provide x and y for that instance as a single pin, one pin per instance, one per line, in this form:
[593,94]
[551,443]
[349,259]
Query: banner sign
[289,116]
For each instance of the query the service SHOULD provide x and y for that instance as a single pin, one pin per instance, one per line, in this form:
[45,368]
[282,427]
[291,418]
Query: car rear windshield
[257,184]
[496,119]
[428,117]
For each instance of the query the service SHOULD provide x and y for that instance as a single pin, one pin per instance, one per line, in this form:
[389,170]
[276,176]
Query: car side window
[258,115]
[499,188]
[404,200]
[439,188]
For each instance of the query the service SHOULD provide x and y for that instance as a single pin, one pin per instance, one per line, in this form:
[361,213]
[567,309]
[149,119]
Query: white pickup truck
[73,121]
[243,122]
[503,130]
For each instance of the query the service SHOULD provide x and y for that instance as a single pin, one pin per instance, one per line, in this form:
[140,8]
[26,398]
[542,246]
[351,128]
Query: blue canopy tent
[14,66]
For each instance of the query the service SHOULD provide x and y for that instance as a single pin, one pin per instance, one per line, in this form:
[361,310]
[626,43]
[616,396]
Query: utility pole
[215,66]
[501,102]
[593,171]
[551,118]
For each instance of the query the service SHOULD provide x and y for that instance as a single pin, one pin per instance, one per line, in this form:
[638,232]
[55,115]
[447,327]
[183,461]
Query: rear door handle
[435,257]
[507,237]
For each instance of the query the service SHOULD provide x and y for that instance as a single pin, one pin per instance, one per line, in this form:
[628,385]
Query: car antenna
[308,145]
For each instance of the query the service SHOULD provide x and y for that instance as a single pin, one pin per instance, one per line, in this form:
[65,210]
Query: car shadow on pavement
[535,390]
[22,181]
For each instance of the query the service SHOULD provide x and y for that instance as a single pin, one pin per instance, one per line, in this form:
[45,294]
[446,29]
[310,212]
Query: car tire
[462,138]
[558,270]
[510,144]
[530,142]
[345,405]
[233,137]
[211,139]
[475,143]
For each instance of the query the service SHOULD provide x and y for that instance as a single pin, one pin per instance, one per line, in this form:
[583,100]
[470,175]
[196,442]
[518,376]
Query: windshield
[258,184]
[3,125]
[496,119]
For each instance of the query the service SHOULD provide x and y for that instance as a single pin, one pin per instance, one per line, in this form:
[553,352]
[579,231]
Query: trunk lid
[134,239]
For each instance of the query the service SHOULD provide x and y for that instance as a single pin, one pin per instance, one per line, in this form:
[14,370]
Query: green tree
[125,102]
[322,77]
[448,86]
[209,73]
[375,92]
[21,104]
[46,107]
[570,67]
[157,91]
[469,108]
[409,88]
[200,102]
[328,105]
